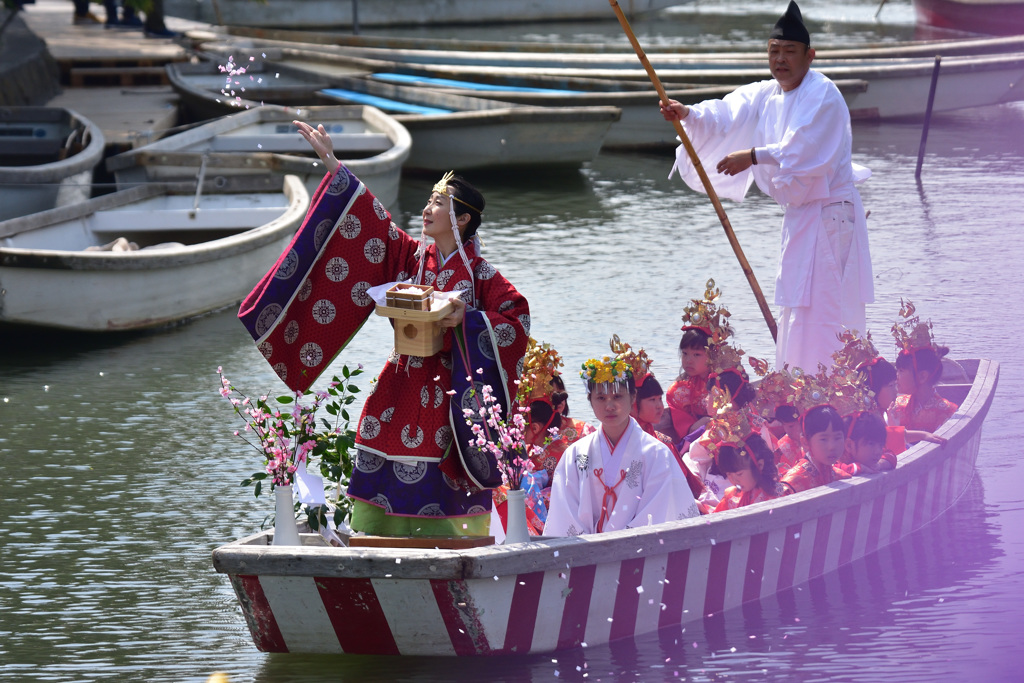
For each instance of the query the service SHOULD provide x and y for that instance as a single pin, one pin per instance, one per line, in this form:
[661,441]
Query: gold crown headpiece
[540,366]
[910,333]
[607,370]
[441,187]
[842,390]
[855,351]
[728,424]
[778,388]
[639,362]
[708,316]
[723,356]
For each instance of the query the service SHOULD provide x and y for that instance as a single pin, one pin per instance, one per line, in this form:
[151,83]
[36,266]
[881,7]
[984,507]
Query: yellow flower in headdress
[607,369]
[910,333]
[540,366]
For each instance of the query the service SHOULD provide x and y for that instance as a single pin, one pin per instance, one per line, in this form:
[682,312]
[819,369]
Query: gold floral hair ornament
[639,362]
[728,425]
[841,389]
[708,316]
[606,372]
[723,356]
[909,332]
[539,368]
[759,365]
[778,388]
[855,350]
[441,187]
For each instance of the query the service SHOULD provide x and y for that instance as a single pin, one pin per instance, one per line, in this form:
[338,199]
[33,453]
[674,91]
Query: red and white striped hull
[558,593]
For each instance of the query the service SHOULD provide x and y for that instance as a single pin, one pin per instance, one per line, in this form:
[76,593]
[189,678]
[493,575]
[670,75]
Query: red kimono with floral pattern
[685,399]
[807,476]
[927,415]
[788,453]
[405,429]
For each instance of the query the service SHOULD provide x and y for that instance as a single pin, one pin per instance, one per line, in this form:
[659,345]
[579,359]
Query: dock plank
[140,110]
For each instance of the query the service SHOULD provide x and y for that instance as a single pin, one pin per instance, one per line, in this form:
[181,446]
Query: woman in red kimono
[414,473]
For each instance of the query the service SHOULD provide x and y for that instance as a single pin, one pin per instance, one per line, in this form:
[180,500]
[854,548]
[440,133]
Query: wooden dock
[115,77]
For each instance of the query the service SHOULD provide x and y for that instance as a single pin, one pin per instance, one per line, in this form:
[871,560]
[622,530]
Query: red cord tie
[609,492]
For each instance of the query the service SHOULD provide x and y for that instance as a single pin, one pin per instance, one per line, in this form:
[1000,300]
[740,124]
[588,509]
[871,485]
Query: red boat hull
[994,18]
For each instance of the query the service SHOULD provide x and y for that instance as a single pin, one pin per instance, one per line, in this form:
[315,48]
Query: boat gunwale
[56,171]
[401,140]
[245,241]
[254,555]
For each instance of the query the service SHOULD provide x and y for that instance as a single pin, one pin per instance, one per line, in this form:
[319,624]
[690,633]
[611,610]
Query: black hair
[865,425]
[877,372]
[787,414]
[755,454]
[924,359]
[694,339]
[820,418]
[560,397]
[650,387]
[736,382]
[542,411]
[472,203]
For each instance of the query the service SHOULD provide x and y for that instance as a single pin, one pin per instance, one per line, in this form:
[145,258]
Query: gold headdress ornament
[539,368]
[842,390]
[605,371]
[856,350]
[775,389]
[910,333]
[639,362]
[441,187]
[707,316]
[728,424]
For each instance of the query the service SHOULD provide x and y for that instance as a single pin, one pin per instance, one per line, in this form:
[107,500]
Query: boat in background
[559,593]
[895,89]
[263,140]
[145,257]
[456,131]
[321,14]
[994,17]
[47,157]
[909,48]
[207,92]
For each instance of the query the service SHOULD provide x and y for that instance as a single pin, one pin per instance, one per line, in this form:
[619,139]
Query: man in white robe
[791,135]
[619,477]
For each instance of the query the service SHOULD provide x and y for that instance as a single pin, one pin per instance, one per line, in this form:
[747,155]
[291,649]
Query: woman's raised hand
[321,143]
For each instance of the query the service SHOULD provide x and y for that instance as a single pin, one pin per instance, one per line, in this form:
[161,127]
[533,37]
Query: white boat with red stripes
[557,593]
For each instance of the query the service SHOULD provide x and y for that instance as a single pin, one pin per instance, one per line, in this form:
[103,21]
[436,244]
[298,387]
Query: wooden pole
[879,10]
[927,116]
[712,195]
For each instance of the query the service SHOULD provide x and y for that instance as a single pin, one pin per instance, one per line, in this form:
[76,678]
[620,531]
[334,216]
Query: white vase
[285,531]
[515,527]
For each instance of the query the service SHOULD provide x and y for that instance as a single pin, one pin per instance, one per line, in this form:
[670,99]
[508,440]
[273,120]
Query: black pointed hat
[790,26]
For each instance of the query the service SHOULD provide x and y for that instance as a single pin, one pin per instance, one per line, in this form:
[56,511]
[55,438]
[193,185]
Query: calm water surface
[121,471]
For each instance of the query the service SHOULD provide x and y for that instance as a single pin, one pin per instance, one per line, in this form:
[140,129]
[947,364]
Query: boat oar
[712,195]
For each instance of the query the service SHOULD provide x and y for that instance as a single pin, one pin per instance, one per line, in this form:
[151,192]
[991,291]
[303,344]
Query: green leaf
[332,409]
[352,389]
[284,400]
[344,372]
[258,489]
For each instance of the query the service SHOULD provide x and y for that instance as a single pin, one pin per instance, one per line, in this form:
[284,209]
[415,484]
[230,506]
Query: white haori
[648,486]
[803,144]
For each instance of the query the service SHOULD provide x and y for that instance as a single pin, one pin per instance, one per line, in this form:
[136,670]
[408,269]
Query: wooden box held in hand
[416,316]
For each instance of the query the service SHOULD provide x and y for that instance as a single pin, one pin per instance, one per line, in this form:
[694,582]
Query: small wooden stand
[427,542]
[415,314]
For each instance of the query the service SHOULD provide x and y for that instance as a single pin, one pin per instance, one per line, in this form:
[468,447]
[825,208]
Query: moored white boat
[455,131]
[553,594]
[320,14]
[47,156]
[263,140]
[895,88]
[192,256]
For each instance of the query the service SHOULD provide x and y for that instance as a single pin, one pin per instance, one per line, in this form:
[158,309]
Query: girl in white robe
[618,477]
